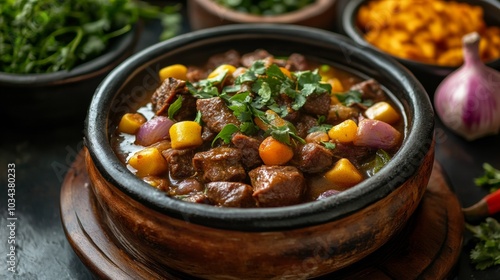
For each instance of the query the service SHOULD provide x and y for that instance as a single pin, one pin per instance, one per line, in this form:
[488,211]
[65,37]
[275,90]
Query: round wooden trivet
[427,248]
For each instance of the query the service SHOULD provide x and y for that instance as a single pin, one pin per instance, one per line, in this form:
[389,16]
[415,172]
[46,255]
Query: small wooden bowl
[207,13]
[299,241]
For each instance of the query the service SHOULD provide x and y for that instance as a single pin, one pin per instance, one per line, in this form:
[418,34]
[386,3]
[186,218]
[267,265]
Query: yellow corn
[177,71]
[185,134]
[228,68]
[382,111]
[343,132]
[131,122]
[148,161]
[336,85]
[344,174]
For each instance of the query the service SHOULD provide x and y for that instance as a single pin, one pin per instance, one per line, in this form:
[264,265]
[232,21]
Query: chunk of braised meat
[195,74]
[207,135]
[167,93]
[285,101]
[215,114]
[230,194]
[314,158]
[318,104]
[249,147]
[187,186]
[230,57]
[355,154]
[219,164]
[199,197]
[249,58]
[339,113]
[277,185]
[297,62]
[160,183]
[370,89]
[179,162]
[304,124]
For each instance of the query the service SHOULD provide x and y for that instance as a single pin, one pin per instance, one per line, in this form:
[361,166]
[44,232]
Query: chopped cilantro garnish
[329,145]
[226,133]
[490,178]
[323,127]
[351,97]
[267,86]
[486,253]
[174,107]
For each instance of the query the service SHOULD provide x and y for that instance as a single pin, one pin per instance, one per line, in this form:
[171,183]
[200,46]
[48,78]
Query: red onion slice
[376,134]
[154,130]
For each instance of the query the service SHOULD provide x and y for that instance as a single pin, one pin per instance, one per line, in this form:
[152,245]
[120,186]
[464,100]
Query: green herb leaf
[198,117]
[43,36]
[205,90]
[329,145]
[490,178]
[174,107]
[379,161]
[226,133]
[351,97]
[486,253]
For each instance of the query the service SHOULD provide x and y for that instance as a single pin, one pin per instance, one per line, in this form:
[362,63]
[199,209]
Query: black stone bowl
[209,241]
[429,74]
[52,99]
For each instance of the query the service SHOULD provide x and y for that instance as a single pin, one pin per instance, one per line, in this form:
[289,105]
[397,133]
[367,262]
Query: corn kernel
[131,122]
[344,174]
[343,132]
[185,134]
[336,85]
[148,161]
[382,111]
[228,68]
[177,71]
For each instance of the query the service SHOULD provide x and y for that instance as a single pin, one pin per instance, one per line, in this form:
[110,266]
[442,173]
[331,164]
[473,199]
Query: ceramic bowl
[207,13]
[291,242]
[431,74]
[60,97]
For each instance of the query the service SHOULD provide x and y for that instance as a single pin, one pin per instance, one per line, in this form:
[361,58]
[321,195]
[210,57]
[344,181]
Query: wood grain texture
[427,247]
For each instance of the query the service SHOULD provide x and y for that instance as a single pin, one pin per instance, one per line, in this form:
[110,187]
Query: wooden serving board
[427,248]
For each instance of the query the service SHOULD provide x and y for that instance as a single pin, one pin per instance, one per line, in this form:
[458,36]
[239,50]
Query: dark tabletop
[43,154]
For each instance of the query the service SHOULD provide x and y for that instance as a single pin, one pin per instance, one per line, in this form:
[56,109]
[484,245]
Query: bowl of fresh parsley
[53,54]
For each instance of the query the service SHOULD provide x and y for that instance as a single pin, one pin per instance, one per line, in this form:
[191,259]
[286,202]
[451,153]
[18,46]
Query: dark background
[43,153]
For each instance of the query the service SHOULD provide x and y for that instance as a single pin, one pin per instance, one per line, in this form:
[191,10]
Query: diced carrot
[286,72]
[273,152]
[148,161]
[130,123]
[343,132]
[344,174]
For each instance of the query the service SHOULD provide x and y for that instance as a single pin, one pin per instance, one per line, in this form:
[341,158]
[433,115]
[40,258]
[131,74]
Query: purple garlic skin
[468,100]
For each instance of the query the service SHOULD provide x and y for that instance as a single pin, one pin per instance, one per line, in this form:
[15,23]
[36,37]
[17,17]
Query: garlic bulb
[468,100]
